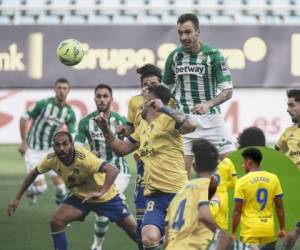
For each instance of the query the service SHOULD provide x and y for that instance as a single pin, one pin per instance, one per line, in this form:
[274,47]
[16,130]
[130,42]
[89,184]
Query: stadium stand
[276,12]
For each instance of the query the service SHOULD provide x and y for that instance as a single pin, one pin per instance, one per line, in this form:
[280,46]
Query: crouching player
[90,181]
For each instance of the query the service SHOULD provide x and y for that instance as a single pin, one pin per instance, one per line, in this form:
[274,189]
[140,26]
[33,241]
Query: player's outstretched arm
[280,215]
[111,173]
[120,147]
[185,124]
[30,177]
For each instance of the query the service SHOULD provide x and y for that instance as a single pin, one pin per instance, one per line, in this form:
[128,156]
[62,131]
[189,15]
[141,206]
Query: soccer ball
[70,52]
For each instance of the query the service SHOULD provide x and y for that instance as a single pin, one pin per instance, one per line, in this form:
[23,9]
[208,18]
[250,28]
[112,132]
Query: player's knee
[56,223]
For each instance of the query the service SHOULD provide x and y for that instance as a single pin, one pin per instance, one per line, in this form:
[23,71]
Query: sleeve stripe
[201,203]
[278,195]
[101,168]
[238,200]
[133,141]
[129,124]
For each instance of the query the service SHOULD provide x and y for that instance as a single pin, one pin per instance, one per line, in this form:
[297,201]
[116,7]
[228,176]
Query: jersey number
[178,218]
[262,197]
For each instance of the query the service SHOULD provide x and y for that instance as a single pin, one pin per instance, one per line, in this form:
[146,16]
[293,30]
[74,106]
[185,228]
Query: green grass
[29,229]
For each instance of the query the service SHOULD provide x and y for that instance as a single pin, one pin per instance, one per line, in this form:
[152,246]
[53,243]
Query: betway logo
[190,70]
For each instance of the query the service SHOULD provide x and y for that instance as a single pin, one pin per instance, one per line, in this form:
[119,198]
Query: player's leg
[39,186]
[60,188]
[188,155]
[70,210]
[117,211]
[129,226]
[140,201]
[101,224]
[154,220]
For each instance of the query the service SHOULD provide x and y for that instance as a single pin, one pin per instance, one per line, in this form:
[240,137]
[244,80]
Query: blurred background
[260,40]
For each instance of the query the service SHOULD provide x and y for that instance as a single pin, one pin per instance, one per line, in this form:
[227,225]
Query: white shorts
[122,182]
[32,158]
[219,136]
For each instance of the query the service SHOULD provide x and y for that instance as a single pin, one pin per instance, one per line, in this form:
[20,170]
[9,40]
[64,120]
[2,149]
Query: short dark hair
[103,86]
[206,155]
[161,92]
[189,17]
[149,70]
[63,80]
[253,154]
[252,136]
[66,133]
[294,93]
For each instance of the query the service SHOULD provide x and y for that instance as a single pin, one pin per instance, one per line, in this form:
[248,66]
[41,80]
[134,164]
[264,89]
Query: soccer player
[91,183]
[226,178]
[189,222]
[159,140]
[254,196]
[149,75]
[88,130]
[292,237]
[47,116]
[252,136]
[195,72]
[289,141]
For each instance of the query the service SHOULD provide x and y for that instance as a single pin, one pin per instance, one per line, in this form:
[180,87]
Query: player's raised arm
[184,123]
[120,147]
[29,179]
[111,173]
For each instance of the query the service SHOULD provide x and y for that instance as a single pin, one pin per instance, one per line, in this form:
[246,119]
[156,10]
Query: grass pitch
[29,228]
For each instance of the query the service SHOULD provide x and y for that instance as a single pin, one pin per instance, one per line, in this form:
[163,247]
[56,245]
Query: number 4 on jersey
[178,220]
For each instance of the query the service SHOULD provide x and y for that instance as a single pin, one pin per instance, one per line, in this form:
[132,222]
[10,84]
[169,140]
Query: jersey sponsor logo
[197,70]
[52,120]
[294,153]
[97,135]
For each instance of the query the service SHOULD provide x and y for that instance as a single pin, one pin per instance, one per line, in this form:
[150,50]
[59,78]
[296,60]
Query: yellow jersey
[226,178]
[135,107]
[161,150]
[289,144]
[82,176]
[185,231]
[257,190]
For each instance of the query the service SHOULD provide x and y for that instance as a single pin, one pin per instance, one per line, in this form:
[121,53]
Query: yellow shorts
[258,240]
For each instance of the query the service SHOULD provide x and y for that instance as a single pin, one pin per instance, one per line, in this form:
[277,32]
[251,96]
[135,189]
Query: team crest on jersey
[79,155]
[225,69]
[197,70]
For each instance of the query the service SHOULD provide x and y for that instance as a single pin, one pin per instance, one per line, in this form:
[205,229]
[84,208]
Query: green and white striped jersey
[196,78]
[47,117]
[89,130]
